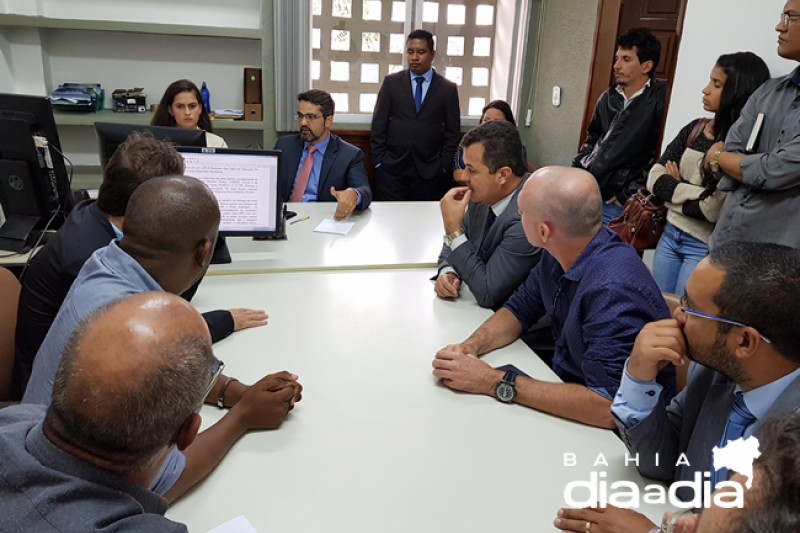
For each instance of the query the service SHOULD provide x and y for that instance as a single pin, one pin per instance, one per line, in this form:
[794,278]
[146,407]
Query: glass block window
[356,43]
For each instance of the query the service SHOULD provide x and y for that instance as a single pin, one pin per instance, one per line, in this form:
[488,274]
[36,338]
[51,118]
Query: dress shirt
[108,275]
[625,99]
[636,399]
[596,308]
[312,189]
[765,206]
[428,76]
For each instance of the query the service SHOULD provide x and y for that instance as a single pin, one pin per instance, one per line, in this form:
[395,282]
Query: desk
[377,445]
[387,235]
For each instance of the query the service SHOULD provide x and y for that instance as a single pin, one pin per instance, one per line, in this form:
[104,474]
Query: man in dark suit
[738,324]
[485,246]
[415,127]
[335,172]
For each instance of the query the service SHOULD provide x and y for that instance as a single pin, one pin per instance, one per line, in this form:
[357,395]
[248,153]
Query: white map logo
[738,455]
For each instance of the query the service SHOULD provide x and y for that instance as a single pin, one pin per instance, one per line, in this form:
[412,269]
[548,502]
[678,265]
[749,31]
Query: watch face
[505,392]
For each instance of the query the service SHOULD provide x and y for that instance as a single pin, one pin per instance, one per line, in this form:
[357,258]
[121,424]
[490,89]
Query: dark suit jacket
[693,424]
[492,263]
[402,137]
[342,168]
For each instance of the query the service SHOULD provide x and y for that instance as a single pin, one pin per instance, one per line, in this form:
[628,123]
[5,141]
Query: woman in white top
[182,107]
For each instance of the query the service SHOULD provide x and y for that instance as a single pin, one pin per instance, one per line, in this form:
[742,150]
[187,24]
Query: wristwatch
[504,390]
[449,239]
[714,163]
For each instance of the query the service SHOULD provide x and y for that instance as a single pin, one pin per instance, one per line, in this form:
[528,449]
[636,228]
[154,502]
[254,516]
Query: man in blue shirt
[335,172]
[596,291]
[171,226]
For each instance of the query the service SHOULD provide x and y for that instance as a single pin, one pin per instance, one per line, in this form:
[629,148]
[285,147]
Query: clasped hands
[266,403]
[459,368]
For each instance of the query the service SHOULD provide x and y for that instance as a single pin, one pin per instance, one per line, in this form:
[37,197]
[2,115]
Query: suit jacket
[342,168]
[402,137]
[693,424]
[495,262]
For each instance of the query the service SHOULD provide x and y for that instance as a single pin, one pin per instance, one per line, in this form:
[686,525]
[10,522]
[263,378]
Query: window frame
[293,48]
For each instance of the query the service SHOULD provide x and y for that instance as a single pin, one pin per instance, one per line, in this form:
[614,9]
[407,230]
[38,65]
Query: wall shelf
[67,118]
[131,27]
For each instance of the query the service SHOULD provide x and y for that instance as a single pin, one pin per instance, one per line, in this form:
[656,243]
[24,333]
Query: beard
[717,356]
[308,136]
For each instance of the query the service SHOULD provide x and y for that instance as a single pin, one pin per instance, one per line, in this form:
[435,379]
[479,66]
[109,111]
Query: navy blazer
[342,168]
[428,139]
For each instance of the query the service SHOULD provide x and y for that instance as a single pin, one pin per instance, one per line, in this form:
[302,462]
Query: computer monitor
[245,183]
[111,135]
[34,185]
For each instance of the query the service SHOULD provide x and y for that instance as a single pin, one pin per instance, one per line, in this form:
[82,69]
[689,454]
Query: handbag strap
[696,131]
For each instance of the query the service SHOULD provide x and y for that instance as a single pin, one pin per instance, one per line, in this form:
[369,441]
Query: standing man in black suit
[334,173]
[415,127]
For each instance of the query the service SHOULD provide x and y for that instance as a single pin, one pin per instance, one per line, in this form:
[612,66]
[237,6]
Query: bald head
[567,198]
[170,215]
[130,376]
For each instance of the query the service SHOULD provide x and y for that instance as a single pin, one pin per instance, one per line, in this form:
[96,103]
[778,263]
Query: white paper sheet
[240,524]
[332,226]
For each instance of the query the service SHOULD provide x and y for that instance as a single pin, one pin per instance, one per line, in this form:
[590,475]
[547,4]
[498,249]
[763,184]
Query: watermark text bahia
[598,491]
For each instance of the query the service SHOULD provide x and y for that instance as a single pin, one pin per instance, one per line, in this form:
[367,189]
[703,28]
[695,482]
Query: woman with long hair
[678,179]
[182,107]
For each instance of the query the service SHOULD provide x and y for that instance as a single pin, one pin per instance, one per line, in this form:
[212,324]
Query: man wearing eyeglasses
[126,393]
[762,177]
[318,166]
[737,325]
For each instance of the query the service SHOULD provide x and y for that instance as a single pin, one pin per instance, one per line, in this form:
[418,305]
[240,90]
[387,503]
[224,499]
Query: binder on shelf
[252,86]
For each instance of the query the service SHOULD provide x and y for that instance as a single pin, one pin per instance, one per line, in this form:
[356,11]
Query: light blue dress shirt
[635,400]
[428,76]
[312,189]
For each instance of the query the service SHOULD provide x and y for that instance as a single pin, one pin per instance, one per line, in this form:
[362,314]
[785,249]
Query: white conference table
[386,235]
[376,444]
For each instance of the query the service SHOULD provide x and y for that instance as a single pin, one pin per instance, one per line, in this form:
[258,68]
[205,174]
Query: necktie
[303,175]
[490,218]
[738,420]
[418,92]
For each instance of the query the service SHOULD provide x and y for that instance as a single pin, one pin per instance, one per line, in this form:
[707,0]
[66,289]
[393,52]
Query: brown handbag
[642,220]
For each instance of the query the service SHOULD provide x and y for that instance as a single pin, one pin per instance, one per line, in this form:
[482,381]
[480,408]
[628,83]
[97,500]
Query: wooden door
[662,17]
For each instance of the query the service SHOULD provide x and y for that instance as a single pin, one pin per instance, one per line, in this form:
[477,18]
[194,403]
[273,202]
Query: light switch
[556,95]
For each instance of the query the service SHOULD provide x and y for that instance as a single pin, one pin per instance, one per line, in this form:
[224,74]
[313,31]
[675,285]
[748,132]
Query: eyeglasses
[787,18]
[689,311]
[307,117]
[214,378]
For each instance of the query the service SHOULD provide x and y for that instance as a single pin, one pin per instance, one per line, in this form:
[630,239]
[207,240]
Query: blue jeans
[676,256]
[610,212]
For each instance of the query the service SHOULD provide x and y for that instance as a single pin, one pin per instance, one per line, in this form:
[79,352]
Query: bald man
[86,463]
[171,226]
[593,287]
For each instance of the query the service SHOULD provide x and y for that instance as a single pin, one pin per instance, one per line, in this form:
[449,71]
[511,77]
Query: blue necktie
[738,420]
[418,92]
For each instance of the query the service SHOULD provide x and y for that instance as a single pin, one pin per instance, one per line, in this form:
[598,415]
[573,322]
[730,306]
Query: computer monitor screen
[34,185]
[245,183]
[110,136]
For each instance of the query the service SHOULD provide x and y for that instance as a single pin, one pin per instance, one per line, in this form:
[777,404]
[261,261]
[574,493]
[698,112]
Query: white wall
[230,13]
[712,28]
